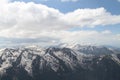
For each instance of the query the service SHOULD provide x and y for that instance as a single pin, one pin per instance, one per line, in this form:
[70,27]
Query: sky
[51,22]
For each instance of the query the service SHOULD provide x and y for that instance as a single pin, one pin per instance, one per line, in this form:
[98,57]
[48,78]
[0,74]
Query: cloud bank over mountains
[31,20]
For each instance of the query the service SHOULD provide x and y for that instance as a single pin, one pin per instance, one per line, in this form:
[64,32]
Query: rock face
[59,63]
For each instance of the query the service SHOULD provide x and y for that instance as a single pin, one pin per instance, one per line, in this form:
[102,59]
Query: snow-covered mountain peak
[56,59]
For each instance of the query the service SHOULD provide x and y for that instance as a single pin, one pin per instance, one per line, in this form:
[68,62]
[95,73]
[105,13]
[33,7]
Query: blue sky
[60,21]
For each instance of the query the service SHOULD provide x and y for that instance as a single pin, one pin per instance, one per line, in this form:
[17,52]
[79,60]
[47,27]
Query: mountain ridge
[57,62]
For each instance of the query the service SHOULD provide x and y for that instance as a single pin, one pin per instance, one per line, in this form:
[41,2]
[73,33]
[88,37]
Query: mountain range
[63,62]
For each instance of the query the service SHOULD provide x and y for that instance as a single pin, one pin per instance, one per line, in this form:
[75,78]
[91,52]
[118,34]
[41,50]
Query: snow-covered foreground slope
[35,63]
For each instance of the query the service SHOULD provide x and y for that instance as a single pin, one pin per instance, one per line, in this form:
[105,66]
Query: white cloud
[91,17]
[30,20]
[82,37]
[106,32]
[86,37]
[37,17]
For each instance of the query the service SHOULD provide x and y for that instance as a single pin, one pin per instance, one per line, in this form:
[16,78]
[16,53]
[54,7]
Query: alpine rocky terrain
[60,63]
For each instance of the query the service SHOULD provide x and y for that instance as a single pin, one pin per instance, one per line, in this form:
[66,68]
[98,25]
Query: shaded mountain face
[60,63]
